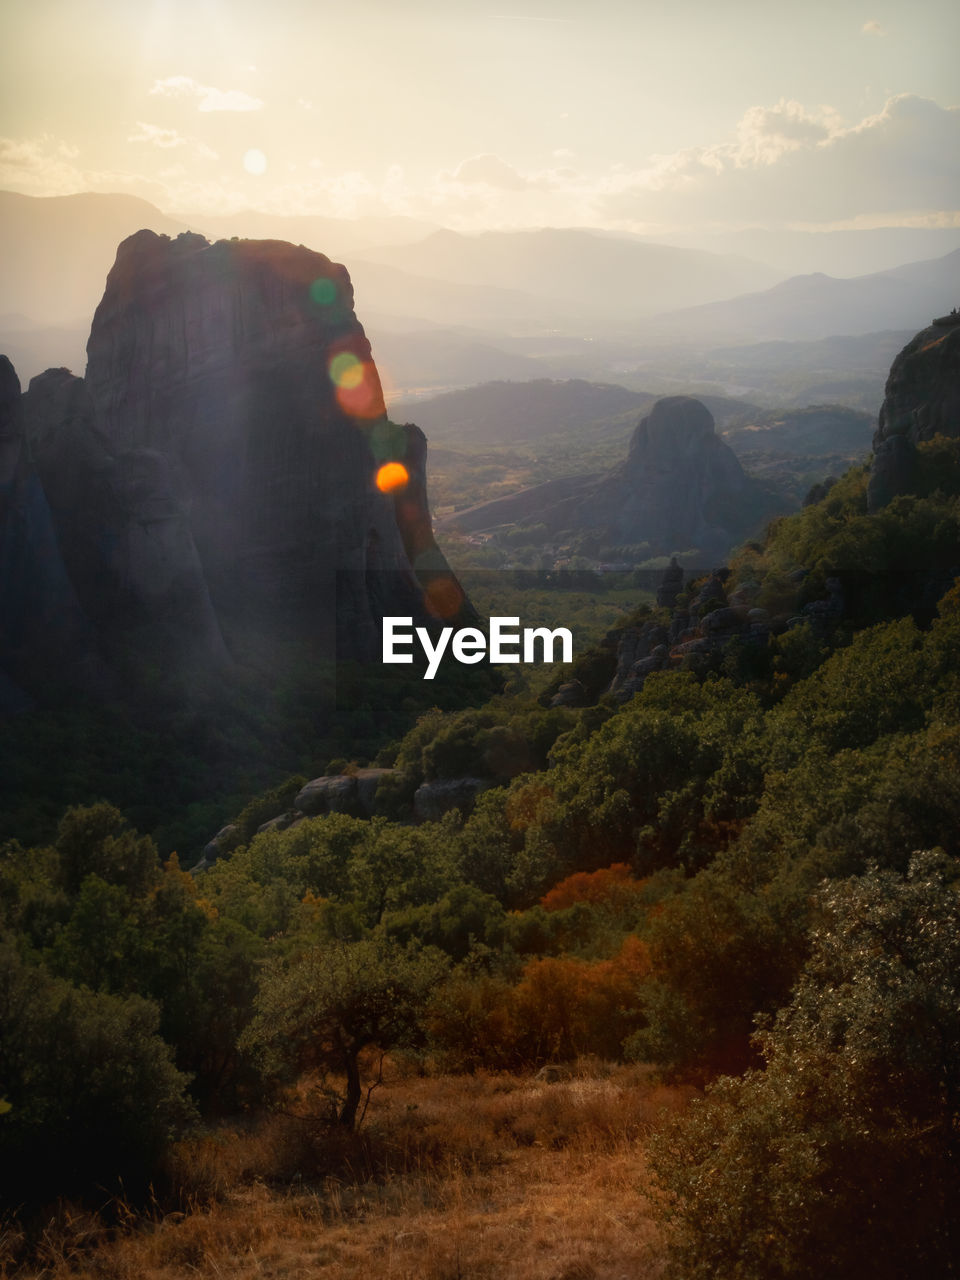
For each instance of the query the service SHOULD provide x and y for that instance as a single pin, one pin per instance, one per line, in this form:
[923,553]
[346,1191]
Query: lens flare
[387,441]
[346,371]
[392,476]
[323,292]
[357,385]
[444,597]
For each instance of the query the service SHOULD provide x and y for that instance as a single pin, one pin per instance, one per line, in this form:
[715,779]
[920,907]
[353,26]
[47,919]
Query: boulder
[223,843]
[336,793]
[281,822]
[571,694]
[433,799]
[342,793]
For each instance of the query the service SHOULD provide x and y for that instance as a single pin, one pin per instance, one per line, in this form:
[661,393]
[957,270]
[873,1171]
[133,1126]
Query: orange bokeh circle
[392,476]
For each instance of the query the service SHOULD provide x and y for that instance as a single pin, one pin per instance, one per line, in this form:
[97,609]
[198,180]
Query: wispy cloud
[169,140]
[39,166]
[873,28]
[208,97]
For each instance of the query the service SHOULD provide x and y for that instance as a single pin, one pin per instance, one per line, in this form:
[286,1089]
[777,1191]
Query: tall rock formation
[215,474]
[921,400]
[680,487]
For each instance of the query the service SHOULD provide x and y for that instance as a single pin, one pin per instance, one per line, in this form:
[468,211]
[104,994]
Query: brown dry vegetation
[452,1178]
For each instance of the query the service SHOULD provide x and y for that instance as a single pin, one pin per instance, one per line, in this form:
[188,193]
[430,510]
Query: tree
[855,1123]
[93,1094]
[98,840]
[326,1006]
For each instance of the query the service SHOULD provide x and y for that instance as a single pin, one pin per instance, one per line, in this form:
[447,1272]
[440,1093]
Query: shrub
[93,1095]
[842,1158]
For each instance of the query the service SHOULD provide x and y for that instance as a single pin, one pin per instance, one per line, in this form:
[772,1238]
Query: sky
[629,115]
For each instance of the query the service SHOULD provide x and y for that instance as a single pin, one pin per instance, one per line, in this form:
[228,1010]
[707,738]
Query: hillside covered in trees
[742,879]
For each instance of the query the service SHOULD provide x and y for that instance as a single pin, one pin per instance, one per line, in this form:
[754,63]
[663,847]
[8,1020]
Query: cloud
[48,166]
[490,170]
[170,139]
[873,28]
[209,98]
[39,166]
[783,164]
[790,165]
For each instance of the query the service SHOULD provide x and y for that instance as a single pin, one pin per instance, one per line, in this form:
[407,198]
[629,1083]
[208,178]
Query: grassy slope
[483,1177]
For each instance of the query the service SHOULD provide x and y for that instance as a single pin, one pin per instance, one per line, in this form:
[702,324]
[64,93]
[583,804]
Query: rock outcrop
[342,793]
[680,487]
[44,635]
[122,521]
[921,400]
[697,635]
[215,473]
[433,799]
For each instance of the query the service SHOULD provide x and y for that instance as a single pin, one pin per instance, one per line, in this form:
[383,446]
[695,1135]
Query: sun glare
[255,162]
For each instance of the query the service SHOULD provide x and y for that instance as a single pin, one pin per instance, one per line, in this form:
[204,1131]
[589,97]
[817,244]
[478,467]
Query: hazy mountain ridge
[541,411]
[844,253]
[824,429]
[555,303]
[801,307]
[566,266]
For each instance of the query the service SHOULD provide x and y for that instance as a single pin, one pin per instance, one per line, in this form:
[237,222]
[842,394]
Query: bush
[93,1095]
[842,1158]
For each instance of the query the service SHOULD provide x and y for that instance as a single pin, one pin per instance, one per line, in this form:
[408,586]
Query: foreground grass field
[450,1178]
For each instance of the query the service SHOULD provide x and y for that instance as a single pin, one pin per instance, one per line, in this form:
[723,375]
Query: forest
[732,900]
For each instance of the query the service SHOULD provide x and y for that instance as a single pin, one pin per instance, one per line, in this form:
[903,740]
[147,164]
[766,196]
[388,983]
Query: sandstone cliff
[215,472]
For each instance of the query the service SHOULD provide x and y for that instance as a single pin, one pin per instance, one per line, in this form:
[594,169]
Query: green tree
[842,1158]
[322,1009]
[93,1094]
[98,840]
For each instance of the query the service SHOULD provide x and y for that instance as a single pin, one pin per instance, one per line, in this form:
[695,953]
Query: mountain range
[815,306]
[445,310]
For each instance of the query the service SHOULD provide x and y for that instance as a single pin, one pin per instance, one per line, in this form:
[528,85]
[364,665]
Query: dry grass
[453,1178]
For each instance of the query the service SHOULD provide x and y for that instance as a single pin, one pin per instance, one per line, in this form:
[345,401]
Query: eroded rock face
[243,363]
[44,634]
[922,400]
[122,521]
[214,475]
